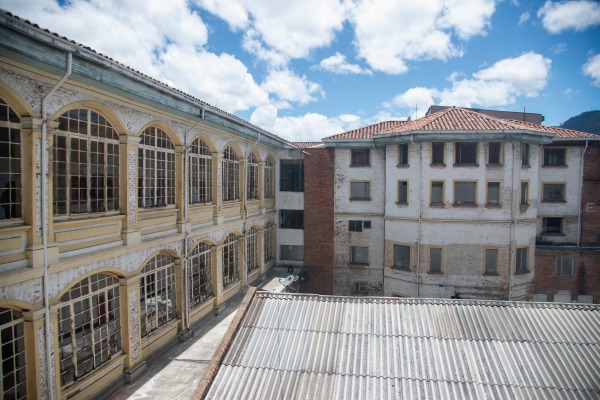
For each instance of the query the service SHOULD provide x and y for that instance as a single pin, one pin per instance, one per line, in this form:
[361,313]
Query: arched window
[269,179]
[89,326]
[200,172]
[252,177]
[252,249]
[10,163]
[200,278]
[231,175]
[86,164]
[269,242]
[14,380]
[156,169]
[230,260]
[157,293]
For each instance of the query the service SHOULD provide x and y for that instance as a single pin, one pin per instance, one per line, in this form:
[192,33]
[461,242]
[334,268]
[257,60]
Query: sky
[308,69]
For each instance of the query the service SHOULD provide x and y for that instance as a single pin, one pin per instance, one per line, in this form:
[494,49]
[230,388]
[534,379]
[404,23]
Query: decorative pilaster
[242,187]
[128,160]
[261,186]
[180,189]
[260,252]
[217,171]
[243,268]
[180,292]
[130,315]
[217,273]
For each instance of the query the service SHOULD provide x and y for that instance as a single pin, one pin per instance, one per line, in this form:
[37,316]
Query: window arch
[200,172]
[269,179]
[10,162]
[231,175]
[14,382]
[157,293]
[231,271]
[252,249]
[89,326]
[252,177]
[269,242]
[156,169]
[85,164]
[200,278]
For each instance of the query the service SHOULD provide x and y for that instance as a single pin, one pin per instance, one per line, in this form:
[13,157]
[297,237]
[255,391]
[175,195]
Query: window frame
[431,182]
[10,125]
[352,254]
[429,271]
[253,181]
[19,359]
[202,146]
[456,143]
[560,257]
[366,291]
[143,168]
[454,192]
[431,164]
[300,171]
[500,156]
[157,271]
[398,191]
[528,163]
[407,164]
[282,216]
[270,246]
[564,200]
[499,193]
[410,256]
[251,238]
[208,293]
[269,181]
[366,149]
[485,249]
[395,294]
[526,193]
[359,198]
[227,165]
[562,230]
[517,271]
[231,245]
[566,164]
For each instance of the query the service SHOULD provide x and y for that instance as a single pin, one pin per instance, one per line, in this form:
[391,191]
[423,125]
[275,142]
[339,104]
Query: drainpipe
[514,214]
[186,205]
[580,195]
[45,213]
[420,212]
[246,209]
[384,210]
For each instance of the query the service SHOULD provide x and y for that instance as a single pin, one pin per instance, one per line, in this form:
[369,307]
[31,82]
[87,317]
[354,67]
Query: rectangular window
[360,157]
[293,253]
[465,153]
[493,193]
[494,153]
[465,192]
[552,225]
[402,191]
[291,176]
[367,224]
[564,266]
[403,154]
[491,261]
[357,225]
[438,153]
[360,287]
[555,157]
[522,259]
[401,256]
[524,193]
[554,191]
[360,190]
[525,154]
[437,192]
[291,219]
[359,255]
[435,259]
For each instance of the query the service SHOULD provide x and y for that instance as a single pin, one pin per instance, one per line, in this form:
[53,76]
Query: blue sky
[308,69]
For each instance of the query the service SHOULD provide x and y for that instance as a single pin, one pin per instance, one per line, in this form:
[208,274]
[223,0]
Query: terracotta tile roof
[306,145]
[367,132]
[8,13]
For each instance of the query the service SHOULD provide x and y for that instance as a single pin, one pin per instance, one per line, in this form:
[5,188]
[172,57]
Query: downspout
[45,213]
[186,205]
[580,195]
[514,214]
[420,212]
[384,210]
[244,250]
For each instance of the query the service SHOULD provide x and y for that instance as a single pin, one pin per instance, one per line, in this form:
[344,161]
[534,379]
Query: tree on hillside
[588,121]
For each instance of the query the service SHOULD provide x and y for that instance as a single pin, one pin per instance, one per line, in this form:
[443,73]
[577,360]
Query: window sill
[434,273]
[437,165]
[554,201]
[359,293]
[463,205]
[466,165]
[555,166]
[400,203]
[156,210]
[437,205]
[524,206]
[522,272]
[553,234]
[494,165]
[360,166]
[358,264]
[401,268]
[402,166]
[89,220]
[525,166]
[88,216]
[564,276]
[493,206]
[488,274]
[360,199]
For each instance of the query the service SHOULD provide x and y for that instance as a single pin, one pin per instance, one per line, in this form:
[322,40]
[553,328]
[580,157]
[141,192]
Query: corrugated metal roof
[329,347]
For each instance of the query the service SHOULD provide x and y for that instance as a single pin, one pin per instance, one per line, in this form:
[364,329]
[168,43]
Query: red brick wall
[590,221]
[318,219]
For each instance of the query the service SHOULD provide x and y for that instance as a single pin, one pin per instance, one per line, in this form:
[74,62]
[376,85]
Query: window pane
[435,260]
[291,176]
[437,152]
[522,259]
[291,219]
[491,261]
[292,252]
[360,255]
[494,152]
[403,154]
[401,256]
[524,153]
[367,224]
[493,193]
[402,192]
[555,157]
[524,192]
[360,157]
[355,226]
[554,192]
[466,153]
[465,193]
[564,266]
[437,192]
[552,225]
[359,190]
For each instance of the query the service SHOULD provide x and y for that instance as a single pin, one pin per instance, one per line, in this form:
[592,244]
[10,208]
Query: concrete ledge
[133,374]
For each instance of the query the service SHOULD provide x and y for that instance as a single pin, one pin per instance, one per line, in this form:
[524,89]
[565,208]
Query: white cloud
[288,86]
[390,33]
[577,15]
[337,64]
[418,98]
[592,68]
[559,48]
[524,17]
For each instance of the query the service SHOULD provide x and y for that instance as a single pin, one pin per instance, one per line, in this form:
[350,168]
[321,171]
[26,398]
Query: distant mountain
[588,121]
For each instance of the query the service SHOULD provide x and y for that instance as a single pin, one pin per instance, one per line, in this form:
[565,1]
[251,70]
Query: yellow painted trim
[429,258]
[16,304]
[521,192]
[159,338]
[395,294]
[541,218]
[350,187]
[487,152]
[554,148]
[99,108]
[465,141]
[201,214]
[72,223]
[209,142]
[256,154]
[398,190]
[499,194]
[142,223]
[143,213]
[14,229]
[15,101]
[166,128]
[238,151]
[431,182]
[528,256]
[231,289]
[497,260]
[12,258]
[553,183]
[431,152]
[167,252]
[158,229]
[269,222]
[272,158]
[410,255]
[361,148]
[96,380]
[407,154]
[11,244]
[91,243]
[465,180]
[366,286]
[86,233]
[235,232]
[368,254]
[202,309]
[108,270]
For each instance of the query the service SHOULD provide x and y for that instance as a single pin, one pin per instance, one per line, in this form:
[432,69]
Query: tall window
[524,153]
[465,152]
[491,261]
[10,163]
[156,169]
[200,278]
[494,193]
[89,326]
[403,154]
[14,380]
[269,242]
[231,271]
[269,179]
[435,259]
[231,175]
[200,172]
[523,259]
[252,177]
[402,191]
[437,192]
[564,265]
[86,164]
[252,249]
[401,256]
[438,156]
[157,293]
[291,173]
[494,153]
[524,193]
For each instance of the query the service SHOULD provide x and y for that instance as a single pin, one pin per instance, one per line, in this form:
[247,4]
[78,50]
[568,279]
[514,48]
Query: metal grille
[85,164]
[252,177]
[231,175]
[252,249]
[156,169]
[437,150]
[269,179]
[200,278]
[10,163]
[269,242]
[230,260]
[200,172]
[89,326]
[157,293]
[494,153]
[466,152]
[12,338]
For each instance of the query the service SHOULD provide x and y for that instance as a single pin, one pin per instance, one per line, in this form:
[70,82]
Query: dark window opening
[437,153]
[402,192]
[554,192]
[435,259]
[555,157]
[437,192]
[358,225]
[524,153]
[523,259]
[524,193]
[403,154]
[291,219]
[465,152]
[291,176]
[401,256]
[491,261]
[360,287]
[360,157]
[293,253]
[494,153]
[552,225]
[493,193]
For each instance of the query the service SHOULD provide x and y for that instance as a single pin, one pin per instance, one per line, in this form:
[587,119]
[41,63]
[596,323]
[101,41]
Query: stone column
[180,192]
[31,192]
[129,292]
[260,252]
[242,187]
[217,179]
[180,292]
[128,174]
[243,268]
[261,187]
[217,273]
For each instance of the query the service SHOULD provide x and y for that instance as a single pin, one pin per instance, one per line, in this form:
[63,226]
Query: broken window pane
[435,259]
[360,157]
